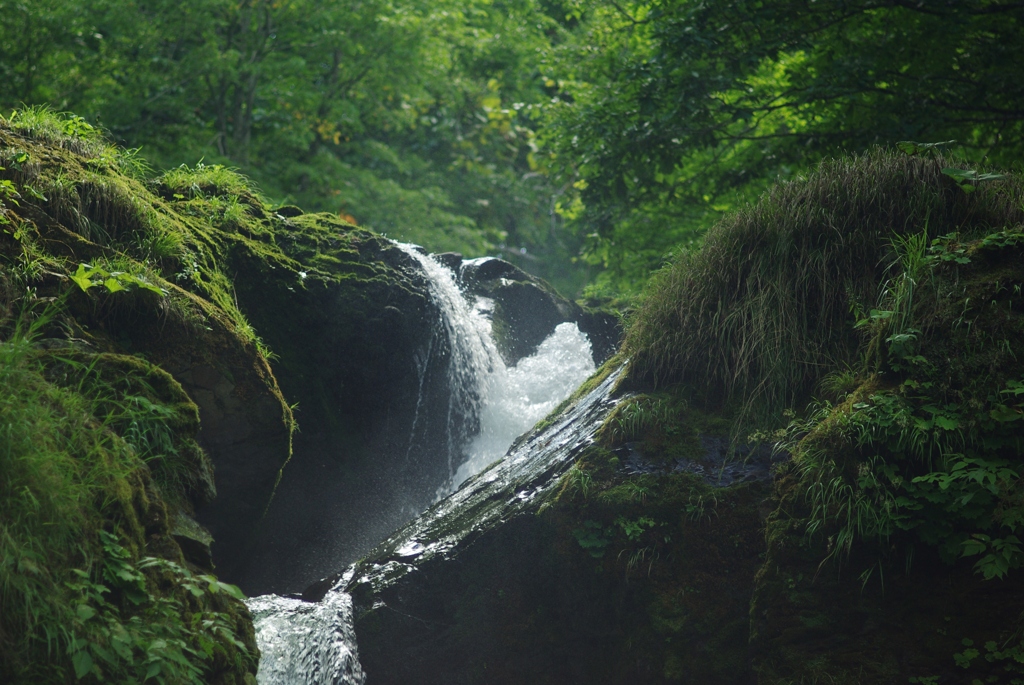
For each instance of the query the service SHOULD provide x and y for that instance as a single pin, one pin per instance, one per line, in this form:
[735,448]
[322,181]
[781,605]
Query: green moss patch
[683,553]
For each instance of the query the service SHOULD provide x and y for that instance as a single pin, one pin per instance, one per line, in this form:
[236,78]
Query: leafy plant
[122,631]
[912,148]
[968,179]
[89,276]
[634,528]
[593,537]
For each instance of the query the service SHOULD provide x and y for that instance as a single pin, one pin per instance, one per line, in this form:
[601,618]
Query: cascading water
[305,642]
[472,356]
[488,407]
[514,399]
[490,404]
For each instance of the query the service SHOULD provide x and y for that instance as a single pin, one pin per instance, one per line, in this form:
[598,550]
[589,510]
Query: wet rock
[453,260]
[493,586]
[289,211]
[193,539]
[527,309]
[720,465]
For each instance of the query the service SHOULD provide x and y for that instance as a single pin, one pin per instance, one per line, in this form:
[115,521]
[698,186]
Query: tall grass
[75,441]
[54,463]
[762,311]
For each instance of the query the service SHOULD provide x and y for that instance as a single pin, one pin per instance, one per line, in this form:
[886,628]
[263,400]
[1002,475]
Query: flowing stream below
[490,405]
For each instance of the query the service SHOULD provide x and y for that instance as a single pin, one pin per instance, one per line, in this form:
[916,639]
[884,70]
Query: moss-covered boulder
[904,481]
[867,320]
[111,444]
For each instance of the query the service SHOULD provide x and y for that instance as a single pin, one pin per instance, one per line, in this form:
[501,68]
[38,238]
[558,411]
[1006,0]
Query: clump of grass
[204,181]
[762,311]
[63,129]
[633,418]
[111,210]
[55,462]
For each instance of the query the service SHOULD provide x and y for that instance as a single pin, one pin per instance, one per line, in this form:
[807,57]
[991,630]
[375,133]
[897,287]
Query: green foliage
[634,528]
[66,130]
[667,114]
[88,276]
[75,599]
[581,140]
[697,506]
[414,118]
[935,455]
[762,309]
[635,417]
[577,480]
[144,636]
[968,179]
[593,537]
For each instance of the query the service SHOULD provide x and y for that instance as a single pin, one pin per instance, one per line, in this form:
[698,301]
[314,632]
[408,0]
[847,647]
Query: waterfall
[489,405]
[473,356]
[514,399]
[305,643]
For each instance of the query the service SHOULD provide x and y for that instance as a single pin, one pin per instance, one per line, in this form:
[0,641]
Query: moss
[114,462]
[687,554]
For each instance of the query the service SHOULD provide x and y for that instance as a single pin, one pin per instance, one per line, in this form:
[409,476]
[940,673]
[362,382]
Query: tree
[673,109]
[415,118]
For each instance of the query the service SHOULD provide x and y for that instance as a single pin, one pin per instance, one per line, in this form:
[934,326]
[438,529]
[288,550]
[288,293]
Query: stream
[490,406]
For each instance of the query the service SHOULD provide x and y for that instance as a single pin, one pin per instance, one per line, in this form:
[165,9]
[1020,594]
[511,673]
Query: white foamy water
[473,355]
[514,399]
[304,643]
[507,401]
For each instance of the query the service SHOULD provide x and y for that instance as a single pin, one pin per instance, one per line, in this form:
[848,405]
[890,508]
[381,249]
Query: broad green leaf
[82,277]
[231,590]
[113,285]
[963,176]
[1004,414]
[82,663]
[913,148]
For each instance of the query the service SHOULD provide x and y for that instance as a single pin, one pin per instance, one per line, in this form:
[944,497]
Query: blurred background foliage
[585,140]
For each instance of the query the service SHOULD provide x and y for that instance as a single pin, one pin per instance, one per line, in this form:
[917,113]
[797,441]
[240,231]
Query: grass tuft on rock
[762,311]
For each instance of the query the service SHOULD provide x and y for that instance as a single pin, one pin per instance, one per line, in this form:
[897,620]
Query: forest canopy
[587,140]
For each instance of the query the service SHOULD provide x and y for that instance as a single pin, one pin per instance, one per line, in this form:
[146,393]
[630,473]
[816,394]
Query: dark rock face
[353,355]
[527,310]
[494,584]
[243,418]
[244,429]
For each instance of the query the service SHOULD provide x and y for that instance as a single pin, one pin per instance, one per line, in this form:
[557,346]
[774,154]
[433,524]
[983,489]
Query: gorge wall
[804,466]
